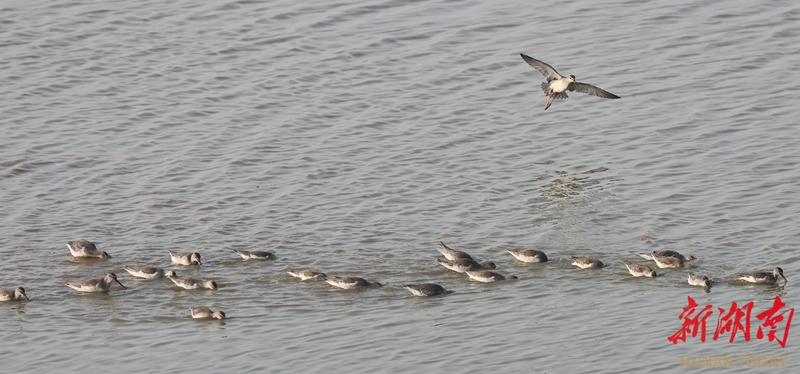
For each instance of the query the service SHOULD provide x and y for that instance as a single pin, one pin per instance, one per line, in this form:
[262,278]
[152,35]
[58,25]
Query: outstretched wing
[546,70]
[592,90]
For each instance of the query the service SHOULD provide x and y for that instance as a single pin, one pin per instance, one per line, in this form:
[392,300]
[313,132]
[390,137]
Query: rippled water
[352,137]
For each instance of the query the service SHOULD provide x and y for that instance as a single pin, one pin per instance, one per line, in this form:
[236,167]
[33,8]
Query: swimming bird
[488,276]
[200,312]
[349,283]
[96,285]
[424,289]
[307,274]
[667,261]
[452,254]
[255,255]
[557,85]
[192,283]
[13,294]
[85,248]
[148,272]
[764,276]
[699,280]
[639,270]
[587,263]
[529,255]
[461,265]
[185,258]
[667,253]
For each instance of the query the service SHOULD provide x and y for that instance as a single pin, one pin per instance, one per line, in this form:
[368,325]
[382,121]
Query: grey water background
[351,137]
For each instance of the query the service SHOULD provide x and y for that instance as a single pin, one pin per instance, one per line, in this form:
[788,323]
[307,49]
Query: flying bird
[557,84]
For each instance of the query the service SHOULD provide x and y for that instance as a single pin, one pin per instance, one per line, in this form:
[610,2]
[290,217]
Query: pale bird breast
[560,85]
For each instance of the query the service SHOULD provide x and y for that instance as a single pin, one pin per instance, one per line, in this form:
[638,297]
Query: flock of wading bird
[556,87]
[454,260]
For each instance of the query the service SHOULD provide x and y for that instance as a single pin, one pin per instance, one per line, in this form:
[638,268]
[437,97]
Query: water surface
[352,137]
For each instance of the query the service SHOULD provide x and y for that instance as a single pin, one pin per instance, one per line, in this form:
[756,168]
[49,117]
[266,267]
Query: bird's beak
[121,284]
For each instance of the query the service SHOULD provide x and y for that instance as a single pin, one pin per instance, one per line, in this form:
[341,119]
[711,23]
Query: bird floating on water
[461,265]
[349,283]
[200,312]
[424,289]
[452,254]
[667,253]
[668,261]
[192,283]
[529,255]
[764,276]
[557,85]
[587,263]
[307,274]
[96,285]
[639,270]
[148,272]
[488,276]
[254,255]
[85,248]
[13,294]
[185,258]
[699,280]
